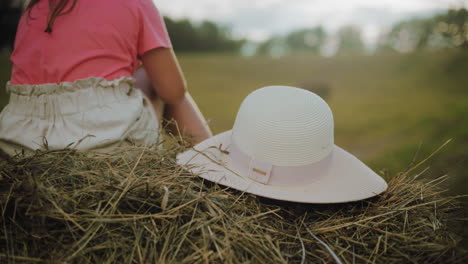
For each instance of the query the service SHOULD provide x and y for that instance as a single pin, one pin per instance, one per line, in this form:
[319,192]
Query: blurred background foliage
[394,103]
[202,37]
[447,30]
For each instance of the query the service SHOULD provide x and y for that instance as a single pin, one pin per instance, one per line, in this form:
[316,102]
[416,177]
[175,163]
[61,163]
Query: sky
[259,19]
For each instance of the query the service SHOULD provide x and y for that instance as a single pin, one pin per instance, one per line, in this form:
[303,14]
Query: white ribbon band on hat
[266,173]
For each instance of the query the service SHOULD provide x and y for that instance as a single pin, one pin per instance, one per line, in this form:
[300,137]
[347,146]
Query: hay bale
[68,207]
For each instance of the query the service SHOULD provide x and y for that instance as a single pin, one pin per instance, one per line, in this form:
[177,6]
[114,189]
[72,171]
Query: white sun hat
[282,147]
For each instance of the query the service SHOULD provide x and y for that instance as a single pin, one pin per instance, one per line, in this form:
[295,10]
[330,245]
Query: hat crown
[285,126]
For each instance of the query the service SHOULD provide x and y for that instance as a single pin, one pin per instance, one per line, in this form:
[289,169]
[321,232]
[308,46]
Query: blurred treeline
[204,36]
[442,31]
[448,30]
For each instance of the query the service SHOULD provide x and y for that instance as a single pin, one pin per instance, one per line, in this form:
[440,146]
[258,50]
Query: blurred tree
[306,40]
[350,41]
[453,27]
[216,38]
[298,41]
[264,47]
[211,37]
[447,30]
[207,36]
[182,33]
[274,46]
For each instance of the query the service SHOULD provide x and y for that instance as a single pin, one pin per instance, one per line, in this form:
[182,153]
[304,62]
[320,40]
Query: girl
[72,82]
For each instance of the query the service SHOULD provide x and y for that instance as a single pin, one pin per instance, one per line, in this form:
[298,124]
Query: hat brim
[346,179]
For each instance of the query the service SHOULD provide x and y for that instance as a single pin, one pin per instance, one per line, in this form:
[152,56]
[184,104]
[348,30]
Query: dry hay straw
[70,207]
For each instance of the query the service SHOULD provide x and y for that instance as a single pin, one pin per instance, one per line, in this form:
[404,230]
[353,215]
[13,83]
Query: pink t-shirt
[99,38]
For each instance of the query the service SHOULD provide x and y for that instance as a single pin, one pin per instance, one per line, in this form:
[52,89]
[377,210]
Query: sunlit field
[391,110]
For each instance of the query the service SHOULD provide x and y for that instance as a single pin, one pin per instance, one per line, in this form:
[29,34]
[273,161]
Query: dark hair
[56,9]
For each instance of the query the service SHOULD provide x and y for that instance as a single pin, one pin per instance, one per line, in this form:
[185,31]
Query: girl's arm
[168,84]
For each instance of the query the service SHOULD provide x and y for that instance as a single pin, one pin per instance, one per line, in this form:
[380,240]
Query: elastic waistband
[50,99]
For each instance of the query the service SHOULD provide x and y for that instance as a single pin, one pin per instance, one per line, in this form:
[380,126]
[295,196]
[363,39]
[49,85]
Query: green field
[391,110]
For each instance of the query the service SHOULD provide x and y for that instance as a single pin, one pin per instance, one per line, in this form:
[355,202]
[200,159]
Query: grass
[389,109]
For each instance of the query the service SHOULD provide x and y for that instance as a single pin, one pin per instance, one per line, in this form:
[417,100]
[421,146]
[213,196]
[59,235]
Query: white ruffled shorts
[88,114]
